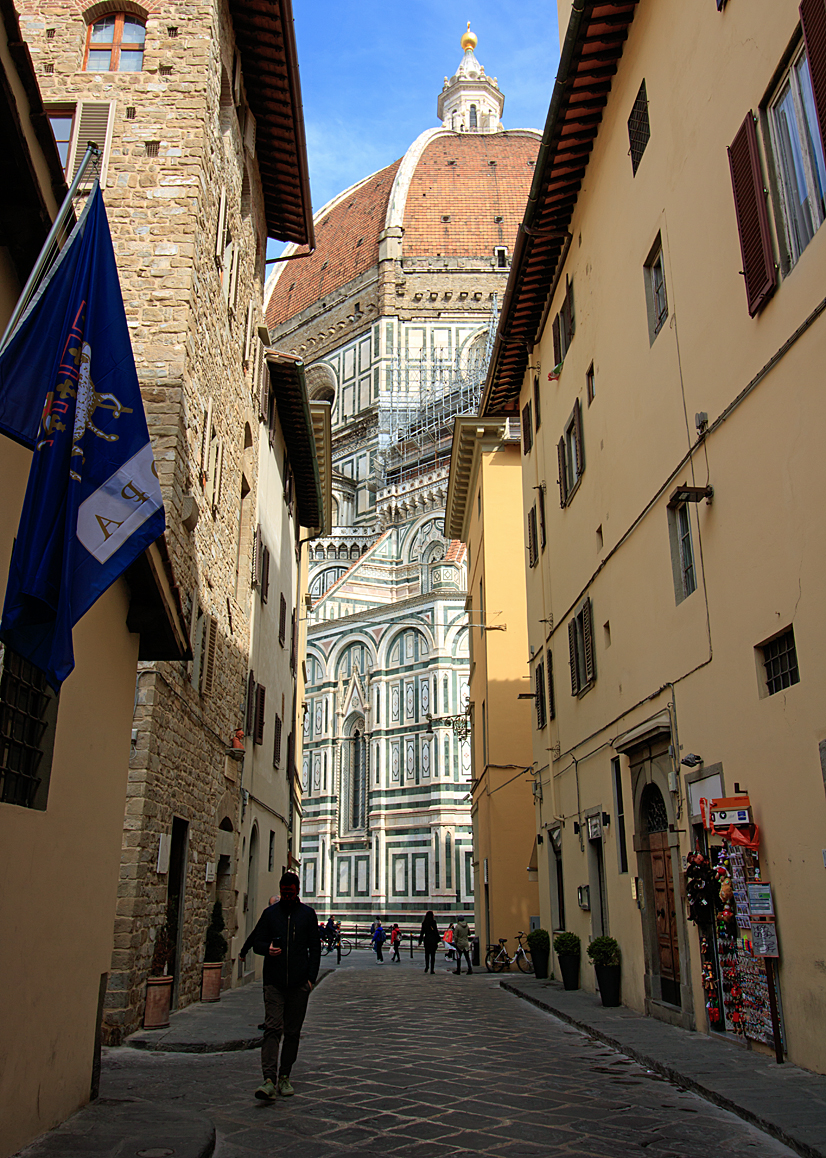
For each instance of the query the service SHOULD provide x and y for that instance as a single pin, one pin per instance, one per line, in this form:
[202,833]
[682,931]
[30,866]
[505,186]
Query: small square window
[780,662]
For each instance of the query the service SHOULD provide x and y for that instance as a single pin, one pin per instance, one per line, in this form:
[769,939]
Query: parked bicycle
[497,958]
[330,947]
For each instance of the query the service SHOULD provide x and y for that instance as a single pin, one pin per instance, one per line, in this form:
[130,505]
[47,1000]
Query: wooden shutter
[250,128]
[563,474]
[248,331]
[282,621]
[94,123]
[219,474]
[572,653]
[813,19]
[542,532]
[588,641]
[557,343]
[265,574]
[263,385]
[197,635]
[551,695]
[212,462]
[232,296]
[221,232]
[539,686]
[250,713]
[256,557]
[237,79]
[580,445]
[532,553]
[536,403]
[527,429]
[276,747]
[210,649]
[752,216]
[293,641]
[570,315]
[260,699]
[206,439]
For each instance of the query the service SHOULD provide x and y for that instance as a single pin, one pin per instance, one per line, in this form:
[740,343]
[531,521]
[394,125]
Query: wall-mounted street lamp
[690,495]
[459,724]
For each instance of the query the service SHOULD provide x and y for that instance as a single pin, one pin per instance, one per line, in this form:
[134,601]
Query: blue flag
[69,389]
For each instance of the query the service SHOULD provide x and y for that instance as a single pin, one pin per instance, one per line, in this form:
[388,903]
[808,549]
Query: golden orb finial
[469,40]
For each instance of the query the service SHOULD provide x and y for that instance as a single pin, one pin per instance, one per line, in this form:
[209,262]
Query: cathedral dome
[459,192]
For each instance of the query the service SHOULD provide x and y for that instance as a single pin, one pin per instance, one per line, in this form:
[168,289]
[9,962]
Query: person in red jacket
[396,943]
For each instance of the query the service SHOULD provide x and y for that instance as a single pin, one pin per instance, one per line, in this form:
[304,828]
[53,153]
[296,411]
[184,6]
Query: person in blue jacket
[378,938]
[287,937]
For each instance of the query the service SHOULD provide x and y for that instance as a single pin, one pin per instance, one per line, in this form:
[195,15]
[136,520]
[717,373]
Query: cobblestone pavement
[394,1061]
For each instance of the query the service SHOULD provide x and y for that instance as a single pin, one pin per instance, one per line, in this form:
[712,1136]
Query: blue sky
[371,73]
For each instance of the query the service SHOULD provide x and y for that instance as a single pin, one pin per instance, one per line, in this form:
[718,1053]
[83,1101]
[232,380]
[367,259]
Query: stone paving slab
[785,1101]
[123,1128]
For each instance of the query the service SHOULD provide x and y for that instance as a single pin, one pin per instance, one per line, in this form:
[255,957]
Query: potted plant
[605,954]
[539,944]
[214,951]
[568,949]
[161,973]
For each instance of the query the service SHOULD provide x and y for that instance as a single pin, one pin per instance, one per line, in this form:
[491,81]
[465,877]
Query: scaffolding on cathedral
[425,395]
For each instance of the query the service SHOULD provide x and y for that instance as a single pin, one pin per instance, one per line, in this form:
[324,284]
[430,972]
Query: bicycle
[330,947]
[497,960]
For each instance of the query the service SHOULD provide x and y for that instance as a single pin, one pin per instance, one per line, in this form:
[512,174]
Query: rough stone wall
[189,345]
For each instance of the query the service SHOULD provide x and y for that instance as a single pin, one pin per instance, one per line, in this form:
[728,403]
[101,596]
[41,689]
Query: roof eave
[290,387]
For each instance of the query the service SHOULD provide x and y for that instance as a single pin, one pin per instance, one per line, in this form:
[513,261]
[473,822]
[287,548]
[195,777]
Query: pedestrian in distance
[329,933]
[431,936]
[449,942]
[338,942]
[396,943]
[461,943]
[287,937]
[378,939]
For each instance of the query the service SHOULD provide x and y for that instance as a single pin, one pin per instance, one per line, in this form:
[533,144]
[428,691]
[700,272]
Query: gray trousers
[284,1012]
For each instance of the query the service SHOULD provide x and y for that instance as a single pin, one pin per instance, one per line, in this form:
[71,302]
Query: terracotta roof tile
[455,551]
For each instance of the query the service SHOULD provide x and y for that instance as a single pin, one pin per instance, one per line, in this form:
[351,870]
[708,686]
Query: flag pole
[92,150]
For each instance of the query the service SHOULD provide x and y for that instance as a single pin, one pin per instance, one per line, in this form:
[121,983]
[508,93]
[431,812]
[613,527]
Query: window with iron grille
[539,698]
[527,429]
[533,554]
[780,662]
[28,718]
[581,649]
[639,128]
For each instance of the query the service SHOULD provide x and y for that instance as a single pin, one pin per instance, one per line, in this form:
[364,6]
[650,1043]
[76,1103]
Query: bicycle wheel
[489,956]
[345,946]
[325,949]
[523,961]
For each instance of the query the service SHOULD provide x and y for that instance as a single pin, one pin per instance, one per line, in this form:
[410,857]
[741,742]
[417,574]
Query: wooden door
[665,917]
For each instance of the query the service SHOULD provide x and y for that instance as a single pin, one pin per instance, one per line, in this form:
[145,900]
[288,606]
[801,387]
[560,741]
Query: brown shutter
[537,406]
[265,574]
[542,532]
[563,477]
[539,685]
[293,643]
[210,647]
[752,216]
[557,343]
[282,621]
[260,699]
[533,554]
[569,307]
[551,696]
[263,385]
[572,654]
[276,747]
[256,557]
[813,19]
[221,228]
[588,641]
[580,445]
[250,713]
[527,429]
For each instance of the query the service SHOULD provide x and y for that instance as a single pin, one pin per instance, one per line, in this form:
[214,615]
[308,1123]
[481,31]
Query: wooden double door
[667,962]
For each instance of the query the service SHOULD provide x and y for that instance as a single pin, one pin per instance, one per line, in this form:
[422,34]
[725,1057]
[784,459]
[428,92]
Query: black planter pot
[569,967]
[540,958]
[608,980]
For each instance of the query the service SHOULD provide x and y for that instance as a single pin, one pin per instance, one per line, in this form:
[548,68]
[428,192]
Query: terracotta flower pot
[211,980]
[158,1000]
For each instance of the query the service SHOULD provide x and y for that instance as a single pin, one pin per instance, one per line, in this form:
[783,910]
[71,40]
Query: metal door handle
[660,912]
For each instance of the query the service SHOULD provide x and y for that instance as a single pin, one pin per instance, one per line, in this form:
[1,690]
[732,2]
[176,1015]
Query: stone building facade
[394,314]
[189,217]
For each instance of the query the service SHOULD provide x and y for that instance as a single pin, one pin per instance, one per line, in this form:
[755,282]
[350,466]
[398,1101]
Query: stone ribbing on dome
[347,244]
[470,179]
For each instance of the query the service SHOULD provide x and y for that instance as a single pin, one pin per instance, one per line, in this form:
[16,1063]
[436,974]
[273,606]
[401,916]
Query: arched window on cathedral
[473,121]
[358,781]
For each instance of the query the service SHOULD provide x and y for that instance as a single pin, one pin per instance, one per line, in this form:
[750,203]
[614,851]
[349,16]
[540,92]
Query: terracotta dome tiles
[347,244]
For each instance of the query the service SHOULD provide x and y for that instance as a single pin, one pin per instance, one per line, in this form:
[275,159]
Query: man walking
[287,937]
[378,939]
[461,943]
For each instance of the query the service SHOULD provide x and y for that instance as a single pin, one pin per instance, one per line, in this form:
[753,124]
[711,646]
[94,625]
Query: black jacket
[295,930]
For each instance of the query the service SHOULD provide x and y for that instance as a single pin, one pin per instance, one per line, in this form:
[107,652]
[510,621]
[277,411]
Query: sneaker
[469,972]
[266,1091]
[285,1089]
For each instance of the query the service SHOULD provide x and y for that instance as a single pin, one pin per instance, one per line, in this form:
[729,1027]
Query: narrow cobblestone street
[395,1061]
